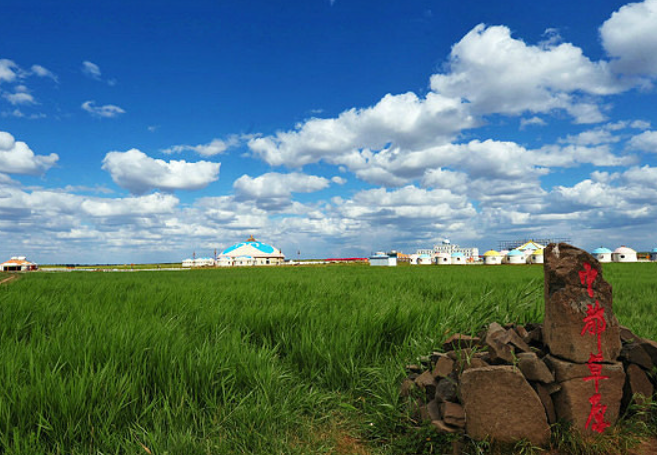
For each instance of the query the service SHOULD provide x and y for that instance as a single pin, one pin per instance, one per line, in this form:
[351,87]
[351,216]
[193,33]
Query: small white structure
[653,255]
[188,263]
[623,254]
[204,262]
[515,257]
[492,257]
[18,264]
[224,261]
[382,259]
[602,254]
[424,259]
[242,261]
[530,247]
[536,257]
[443,258]
[458,258]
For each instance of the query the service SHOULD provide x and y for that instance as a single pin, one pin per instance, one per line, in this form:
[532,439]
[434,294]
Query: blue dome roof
[515,253]
[265,248]
[424,256]
[458,255]
[654,250]
[601,250]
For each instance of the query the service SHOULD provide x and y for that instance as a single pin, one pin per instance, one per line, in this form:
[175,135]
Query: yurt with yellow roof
[492,257]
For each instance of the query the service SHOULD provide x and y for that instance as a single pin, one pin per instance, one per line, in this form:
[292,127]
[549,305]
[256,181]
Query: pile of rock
[511,382]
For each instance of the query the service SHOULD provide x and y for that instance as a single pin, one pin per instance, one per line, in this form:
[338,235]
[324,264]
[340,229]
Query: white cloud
[17,158]
[91,69]
[640,124]
[630,37]
[106,111]
[646,142]
[138,173]
[500,74]
[21,96]
[338,180]
[151,204]
[274,190]
[537,121]
[44,72]
[8,70]
[214,147]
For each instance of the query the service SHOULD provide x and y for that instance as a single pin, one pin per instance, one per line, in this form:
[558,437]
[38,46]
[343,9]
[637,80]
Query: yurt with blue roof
[458,258]
[602,254]
[653,255]
[515,257]
[253,252]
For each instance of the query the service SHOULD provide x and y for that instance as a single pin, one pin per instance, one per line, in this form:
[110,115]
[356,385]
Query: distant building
[259,253]
[383,259]
[492,257]
[515,257]
[470,253]
[653,255]
[18,264]
[537,257]
[602,254]
[443,258]
[623,254]
[458,258]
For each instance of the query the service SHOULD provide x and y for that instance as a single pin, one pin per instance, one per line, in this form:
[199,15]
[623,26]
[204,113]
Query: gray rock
[500,404]
[446,390]
[567,302]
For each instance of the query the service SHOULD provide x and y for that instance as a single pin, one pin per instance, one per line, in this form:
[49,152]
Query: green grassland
[302,360]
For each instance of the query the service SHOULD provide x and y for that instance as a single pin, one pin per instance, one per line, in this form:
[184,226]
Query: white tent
[623,254]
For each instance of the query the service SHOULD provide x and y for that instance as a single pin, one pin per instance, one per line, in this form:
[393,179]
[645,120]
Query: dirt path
[8,279]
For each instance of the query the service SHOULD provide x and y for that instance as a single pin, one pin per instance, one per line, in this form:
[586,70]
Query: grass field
[258,360]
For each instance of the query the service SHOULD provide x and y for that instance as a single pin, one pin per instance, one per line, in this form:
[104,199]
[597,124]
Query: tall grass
[242,360]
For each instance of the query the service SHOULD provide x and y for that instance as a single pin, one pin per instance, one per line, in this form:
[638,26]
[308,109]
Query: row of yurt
[620,254]
[18,264]
[199,262]
[530,256]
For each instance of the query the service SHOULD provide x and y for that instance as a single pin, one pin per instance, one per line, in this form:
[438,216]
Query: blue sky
[145,131]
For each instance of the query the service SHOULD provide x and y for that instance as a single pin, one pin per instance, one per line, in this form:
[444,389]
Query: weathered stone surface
[514,339]
[459,354]
[565,371]
[453,414]
[475,362]
[567,301]
[431,411]
[414,368]
[446,390]
[636,382]
[627,336]
[505,409]
[634,353]
[533,368]
[499,350]
[442,427]
[544,395]
[572,404]
[522,332]
[534,336]
[650,347]
[443,368]
[406,388]
[460,341]
[427,383]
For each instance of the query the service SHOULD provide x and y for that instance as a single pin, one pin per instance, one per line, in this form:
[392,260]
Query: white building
[18,264]
[492,257]
[382,259]
[653,254]
[623,254]
[259,252]
[225,261]
[242,261]
[470,254]
[458,258]
[515,257]
[530,247]
[536,257]
[188,262]
[443,258]
[602,254]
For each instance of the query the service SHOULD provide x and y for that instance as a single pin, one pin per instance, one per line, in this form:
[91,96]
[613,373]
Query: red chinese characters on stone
[594,324]
[587,277]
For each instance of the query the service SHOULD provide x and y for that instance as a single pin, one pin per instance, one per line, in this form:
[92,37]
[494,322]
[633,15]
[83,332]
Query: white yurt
[224,261]
[18,264]
[602,254]
[515,257]
[413,258]
[443,258]
[536,257]
[424,259]
[458,258]
[653,254]
[242,261]
[623,254]
[492,257]
[259,252]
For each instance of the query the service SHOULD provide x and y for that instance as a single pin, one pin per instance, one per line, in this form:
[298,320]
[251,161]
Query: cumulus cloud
[497,73]
[338,180]
[274,190]
[630,37]
[91,69]
[17,158]
[8,70]
[20,96]
[646,142]
[139,173]
[106,111]
[214,147]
